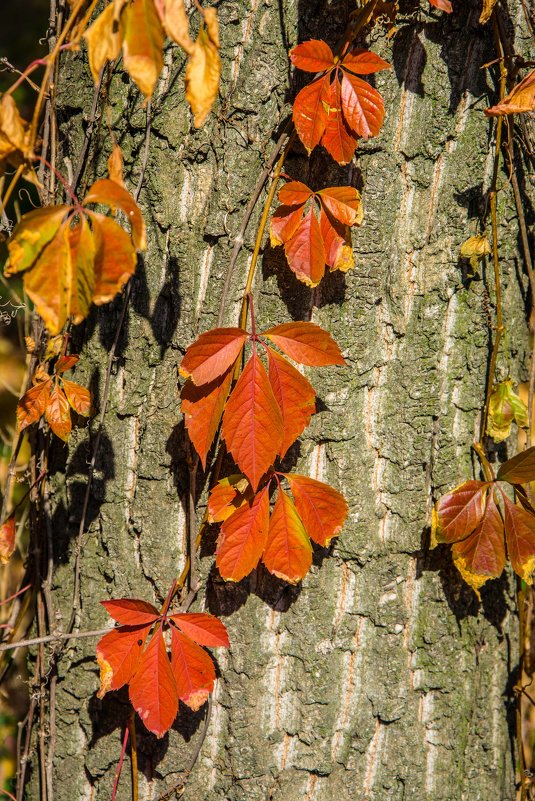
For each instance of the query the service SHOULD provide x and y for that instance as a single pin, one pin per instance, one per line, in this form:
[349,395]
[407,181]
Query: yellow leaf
[204,69]
[103,37]
[115,258]
[47,283]
[13,129]
[175,22]
[504,407]
[82,246]
[486,12]
[474,249]
[31,235]
[115,165]
[143,44]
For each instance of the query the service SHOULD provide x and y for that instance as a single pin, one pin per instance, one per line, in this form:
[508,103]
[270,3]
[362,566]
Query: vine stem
[133,755]
[120,765]
[262,228]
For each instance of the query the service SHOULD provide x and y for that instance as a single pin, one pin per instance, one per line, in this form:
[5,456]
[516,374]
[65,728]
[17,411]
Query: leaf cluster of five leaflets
[156,683]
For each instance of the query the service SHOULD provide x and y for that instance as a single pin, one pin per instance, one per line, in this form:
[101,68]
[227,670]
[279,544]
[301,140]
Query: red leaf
[288,553]
[65,363]
[79,397]
[322,509]
[228,495]
[306,343]
[305,251]
[363,106]
[364,62]
[482,554]
[212,354]
[337,243]
[343,202]
[312,56]
[520,469]
[242,539]
[203,629]
[153,691]
[33,404]
[117,655]
[202,408]
[58,414]
[338,138]
[520,538]
[193,670]
[295,396]
[284,223]
[443,5]
[294,193]
[131,612]
[252,422]
[310,114]
[458,513]
[7,540]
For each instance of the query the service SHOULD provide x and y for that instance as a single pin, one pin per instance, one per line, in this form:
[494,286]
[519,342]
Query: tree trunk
[381,676]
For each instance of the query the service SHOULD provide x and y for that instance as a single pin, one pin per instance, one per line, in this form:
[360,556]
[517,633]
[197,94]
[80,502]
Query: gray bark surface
[380,677]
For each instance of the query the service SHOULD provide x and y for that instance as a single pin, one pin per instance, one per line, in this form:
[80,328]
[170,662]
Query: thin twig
[58,636]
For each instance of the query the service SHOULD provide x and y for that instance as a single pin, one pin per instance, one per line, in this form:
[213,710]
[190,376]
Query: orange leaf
[284,223]
[443,5]
[58,413]
[117,654]
[306,343]
[103,39]
[364,62]
[193,670]
[520,469]
[312,56]
[212,354]
[31,235]
[115,258]
[109,193]
[228,495]
[131,611]
[153,691]
[294,193]
[203,69]
[116,165]
[48,283]
[459,512]
[175,21]
[82,279]
[143,44]
[520,538]
[363,106]
[33,404]
[8,532]
[79,397]
[309,113]
[242,538]
[338,138]
[65,363]
[203,629]
[482,554]
[337,243]
[288,552]
[295,396]
[344,203]
[252,422]
[202,408]
[305,251]
[322,509]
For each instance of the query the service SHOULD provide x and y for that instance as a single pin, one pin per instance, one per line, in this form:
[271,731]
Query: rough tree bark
[381,677]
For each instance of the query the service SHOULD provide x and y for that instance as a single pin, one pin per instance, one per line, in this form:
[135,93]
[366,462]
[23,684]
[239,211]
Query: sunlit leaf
[520,538]
[152,690]
[58,414]
[203,69]
[79,397]
[131,612]
[202,407]
[518,101]
[31,235]
[305,251]
[505,406]
[109,193]
[202,628]
[212,354]
[242,538]
[8,532]
[520,469]
[459,512]
[117,654]
[322,509]
[312,56]
[193,670]
[228,495]
[33,403]
[104,38]
[481,555]
[288,552]
[295,396]
[143,44]
[306,343]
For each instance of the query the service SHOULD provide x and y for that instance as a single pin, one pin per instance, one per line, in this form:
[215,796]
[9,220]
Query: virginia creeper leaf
[79,397]
[504,407]
[202,407]
[344,203]
[520,538]
[305,251]
[288,552]
[284,223]
[193,670]
[363,106]
[337,243]
[203,69]
[33,403]
[252,422]
[82,278]
[152,690]
[294,193]
[338,137]
[364,62]
[322,509]
[459,512]
[312,56]
[306,343]
[118,654]
[481,555]
[443,5]
[295,396]
[31,235]
[104,40]
[242,538]
[202,628]
[110,193]
[143,44]
[57,413]
[131,612]
[65,363]
[8,532]
[520,469]
[228,495]
[310,114]
[115,258]
[212,354]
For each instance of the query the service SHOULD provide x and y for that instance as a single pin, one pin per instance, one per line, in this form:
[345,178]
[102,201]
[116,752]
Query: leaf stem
[120,765]
[133,755]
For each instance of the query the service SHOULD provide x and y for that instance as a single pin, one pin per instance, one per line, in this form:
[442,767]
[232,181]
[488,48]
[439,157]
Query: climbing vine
[245,398]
